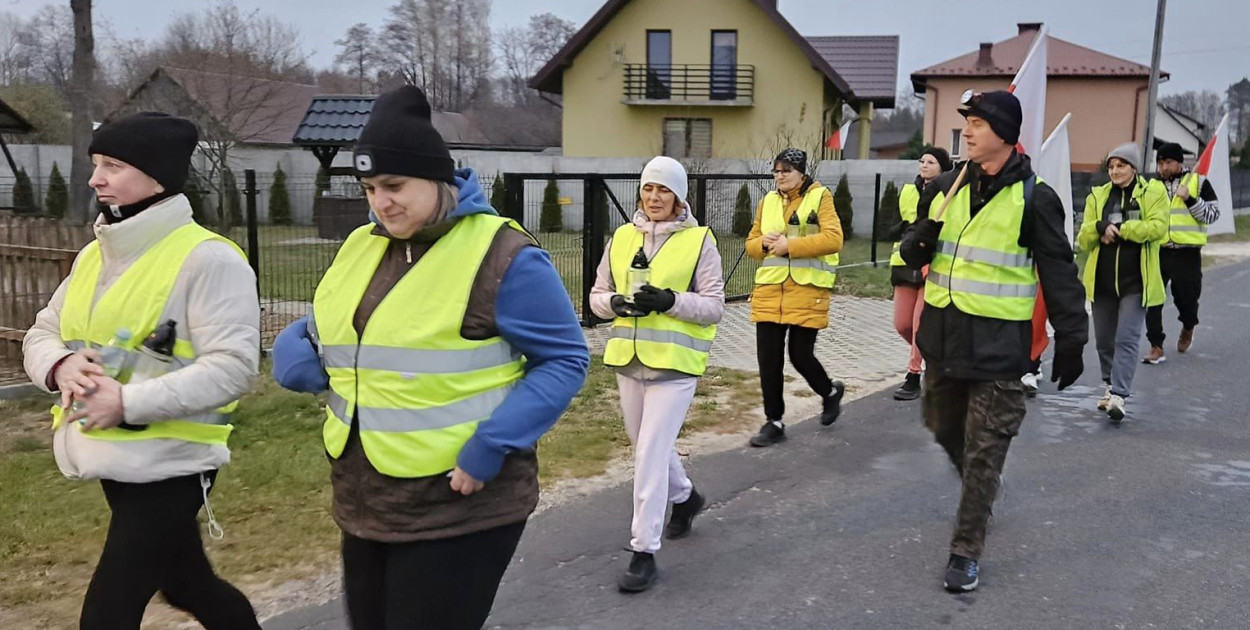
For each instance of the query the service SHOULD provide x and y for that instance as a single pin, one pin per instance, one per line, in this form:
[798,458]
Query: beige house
[1106,95]
[711,79]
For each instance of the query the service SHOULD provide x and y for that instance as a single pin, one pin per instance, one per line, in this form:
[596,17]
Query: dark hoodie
[1121,255]
[961,345]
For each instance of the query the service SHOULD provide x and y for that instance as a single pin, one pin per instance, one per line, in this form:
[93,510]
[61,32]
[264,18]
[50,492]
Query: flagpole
[1151,104]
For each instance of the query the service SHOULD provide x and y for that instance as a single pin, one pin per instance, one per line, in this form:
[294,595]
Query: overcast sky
[1205,41]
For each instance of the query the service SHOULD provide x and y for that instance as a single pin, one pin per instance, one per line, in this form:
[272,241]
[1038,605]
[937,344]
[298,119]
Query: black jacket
[960,345]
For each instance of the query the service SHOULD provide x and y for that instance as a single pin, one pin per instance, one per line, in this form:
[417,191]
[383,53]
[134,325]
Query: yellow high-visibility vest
[821,271]
[908,200]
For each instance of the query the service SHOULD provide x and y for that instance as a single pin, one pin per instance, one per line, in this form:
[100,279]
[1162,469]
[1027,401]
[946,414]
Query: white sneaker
[1030,384]
[1105,400]
[1115,409]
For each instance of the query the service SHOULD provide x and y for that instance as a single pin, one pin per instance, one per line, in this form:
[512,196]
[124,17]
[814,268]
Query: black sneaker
[910,389]
[771,433]
[640,575]
[683,515]
[831,408]
[961,574]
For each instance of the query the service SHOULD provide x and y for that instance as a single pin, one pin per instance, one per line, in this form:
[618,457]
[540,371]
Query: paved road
[1144,525]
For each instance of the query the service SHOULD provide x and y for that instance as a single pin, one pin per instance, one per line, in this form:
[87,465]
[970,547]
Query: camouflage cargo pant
[974,421]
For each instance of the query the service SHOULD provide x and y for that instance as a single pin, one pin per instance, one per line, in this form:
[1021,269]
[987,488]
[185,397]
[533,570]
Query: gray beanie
[1129,152]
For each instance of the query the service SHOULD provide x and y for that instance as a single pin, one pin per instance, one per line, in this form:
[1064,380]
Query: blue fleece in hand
[296,365]
[535,316]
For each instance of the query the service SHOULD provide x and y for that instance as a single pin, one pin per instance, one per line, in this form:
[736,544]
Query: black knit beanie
[1001,109]
[943,158]
[1169,151]
[400,139]
[156,143]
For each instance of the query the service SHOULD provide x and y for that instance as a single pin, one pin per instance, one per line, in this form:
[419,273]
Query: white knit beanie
[668,173]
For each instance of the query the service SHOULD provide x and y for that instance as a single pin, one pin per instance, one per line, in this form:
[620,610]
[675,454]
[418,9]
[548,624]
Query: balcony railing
[689,84]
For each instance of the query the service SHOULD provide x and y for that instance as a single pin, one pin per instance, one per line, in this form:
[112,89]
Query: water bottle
[112,357]
[639,274]
[154,358]
[812,226]
[794,229]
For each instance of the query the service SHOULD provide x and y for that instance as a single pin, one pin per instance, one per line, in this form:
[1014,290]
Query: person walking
[909,283]
[797,235]
[1194,206]
[1002,233]
[449,347]
[150,340]
[1126,220]
[662,331]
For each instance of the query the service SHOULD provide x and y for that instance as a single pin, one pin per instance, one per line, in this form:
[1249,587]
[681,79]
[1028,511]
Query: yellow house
[712,79]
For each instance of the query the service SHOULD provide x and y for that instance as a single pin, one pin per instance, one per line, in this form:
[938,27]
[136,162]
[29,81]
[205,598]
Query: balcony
[707,85]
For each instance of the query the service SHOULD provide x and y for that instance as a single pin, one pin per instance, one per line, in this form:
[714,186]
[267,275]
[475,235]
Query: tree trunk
[82,95]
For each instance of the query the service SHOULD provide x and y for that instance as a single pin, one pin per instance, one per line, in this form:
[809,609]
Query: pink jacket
[704,305]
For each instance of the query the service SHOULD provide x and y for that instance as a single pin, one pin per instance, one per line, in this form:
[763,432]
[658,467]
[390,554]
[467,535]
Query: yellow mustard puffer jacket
[790,302]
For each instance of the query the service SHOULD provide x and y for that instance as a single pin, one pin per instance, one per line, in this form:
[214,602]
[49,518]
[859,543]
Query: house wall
[1105,112]
[789,93]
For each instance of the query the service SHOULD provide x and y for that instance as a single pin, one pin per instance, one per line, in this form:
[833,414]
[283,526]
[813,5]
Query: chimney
[1027,27]
[984,59]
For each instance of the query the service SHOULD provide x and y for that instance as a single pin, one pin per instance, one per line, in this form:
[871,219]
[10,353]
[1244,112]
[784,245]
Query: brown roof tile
[869,63]
[259,111]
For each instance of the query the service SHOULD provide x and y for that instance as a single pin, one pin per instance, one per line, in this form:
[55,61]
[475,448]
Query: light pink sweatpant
[654,412]
[908,303]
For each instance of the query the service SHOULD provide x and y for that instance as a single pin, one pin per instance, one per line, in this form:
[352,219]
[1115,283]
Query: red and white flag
[1213,165]
[1030,87]
[837,141]
[1054,165]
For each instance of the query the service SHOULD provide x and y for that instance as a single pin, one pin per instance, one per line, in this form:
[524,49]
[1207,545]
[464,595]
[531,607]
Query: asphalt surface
[1142,525]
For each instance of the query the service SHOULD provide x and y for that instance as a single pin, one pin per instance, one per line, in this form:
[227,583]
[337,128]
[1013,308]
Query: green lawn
[1241,225]
[274,497]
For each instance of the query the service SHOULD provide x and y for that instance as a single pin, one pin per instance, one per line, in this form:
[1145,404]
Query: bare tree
[358,54]
[1239,110]
[441,46]
[15,53]
[1206,106]
[50,38]
[522,51]
[81,99]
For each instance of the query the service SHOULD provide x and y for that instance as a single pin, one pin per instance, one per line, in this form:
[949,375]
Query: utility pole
[1151,104]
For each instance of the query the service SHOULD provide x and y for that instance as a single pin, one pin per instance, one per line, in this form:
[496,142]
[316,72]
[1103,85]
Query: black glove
[1068,367]
[623,308]
[654,300]
[920,243]
[896,233]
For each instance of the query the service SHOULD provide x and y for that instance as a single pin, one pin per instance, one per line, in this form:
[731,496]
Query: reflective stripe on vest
[818,272]
[908,202]
[659,341]
[137,301]
[1183,228]
[415,387]
[979,266]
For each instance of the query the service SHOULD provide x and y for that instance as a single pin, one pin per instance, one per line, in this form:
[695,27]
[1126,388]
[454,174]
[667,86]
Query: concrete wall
[1105,112]
[789,94]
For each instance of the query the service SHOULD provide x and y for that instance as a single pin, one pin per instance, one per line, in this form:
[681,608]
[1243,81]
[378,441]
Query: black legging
[445,584]
[770,343]
[154,545]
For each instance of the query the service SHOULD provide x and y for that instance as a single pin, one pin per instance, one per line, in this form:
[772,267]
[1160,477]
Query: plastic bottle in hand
[794,229]
[812,226]
[639,275]
[112,357]
[155,357]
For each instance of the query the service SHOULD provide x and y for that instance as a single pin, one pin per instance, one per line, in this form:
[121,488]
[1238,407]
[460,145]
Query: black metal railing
[689,82]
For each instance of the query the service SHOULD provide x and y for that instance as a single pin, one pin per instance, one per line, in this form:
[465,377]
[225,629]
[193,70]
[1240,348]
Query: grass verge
[273,499]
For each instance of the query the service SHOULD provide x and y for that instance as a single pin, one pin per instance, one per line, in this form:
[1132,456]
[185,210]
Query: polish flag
[1213,165]
[838,139]
[1054,165]
[1030,87]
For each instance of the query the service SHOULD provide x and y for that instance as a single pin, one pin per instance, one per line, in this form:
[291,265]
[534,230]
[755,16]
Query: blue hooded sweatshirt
[533,314]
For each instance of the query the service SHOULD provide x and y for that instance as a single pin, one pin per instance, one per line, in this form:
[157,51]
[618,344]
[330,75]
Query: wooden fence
[35,255]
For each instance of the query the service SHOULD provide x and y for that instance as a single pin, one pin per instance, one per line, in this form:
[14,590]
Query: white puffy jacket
[215,304]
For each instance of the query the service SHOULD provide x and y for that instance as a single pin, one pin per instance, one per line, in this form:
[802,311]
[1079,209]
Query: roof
[337,120]
[1191,126]
[255,111]
[550,77]
[869,63]
[880,139]
[1064,59]
[11,121]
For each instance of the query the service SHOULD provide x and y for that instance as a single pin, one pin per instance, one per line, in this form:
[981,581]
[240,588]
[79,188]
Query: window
[659,64]
[956,137]
[724,65]
[688,137]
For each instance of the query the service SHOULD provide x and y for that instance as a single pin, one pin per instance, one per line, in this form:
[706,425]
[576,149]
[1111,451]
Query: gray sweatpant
[1118,328]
